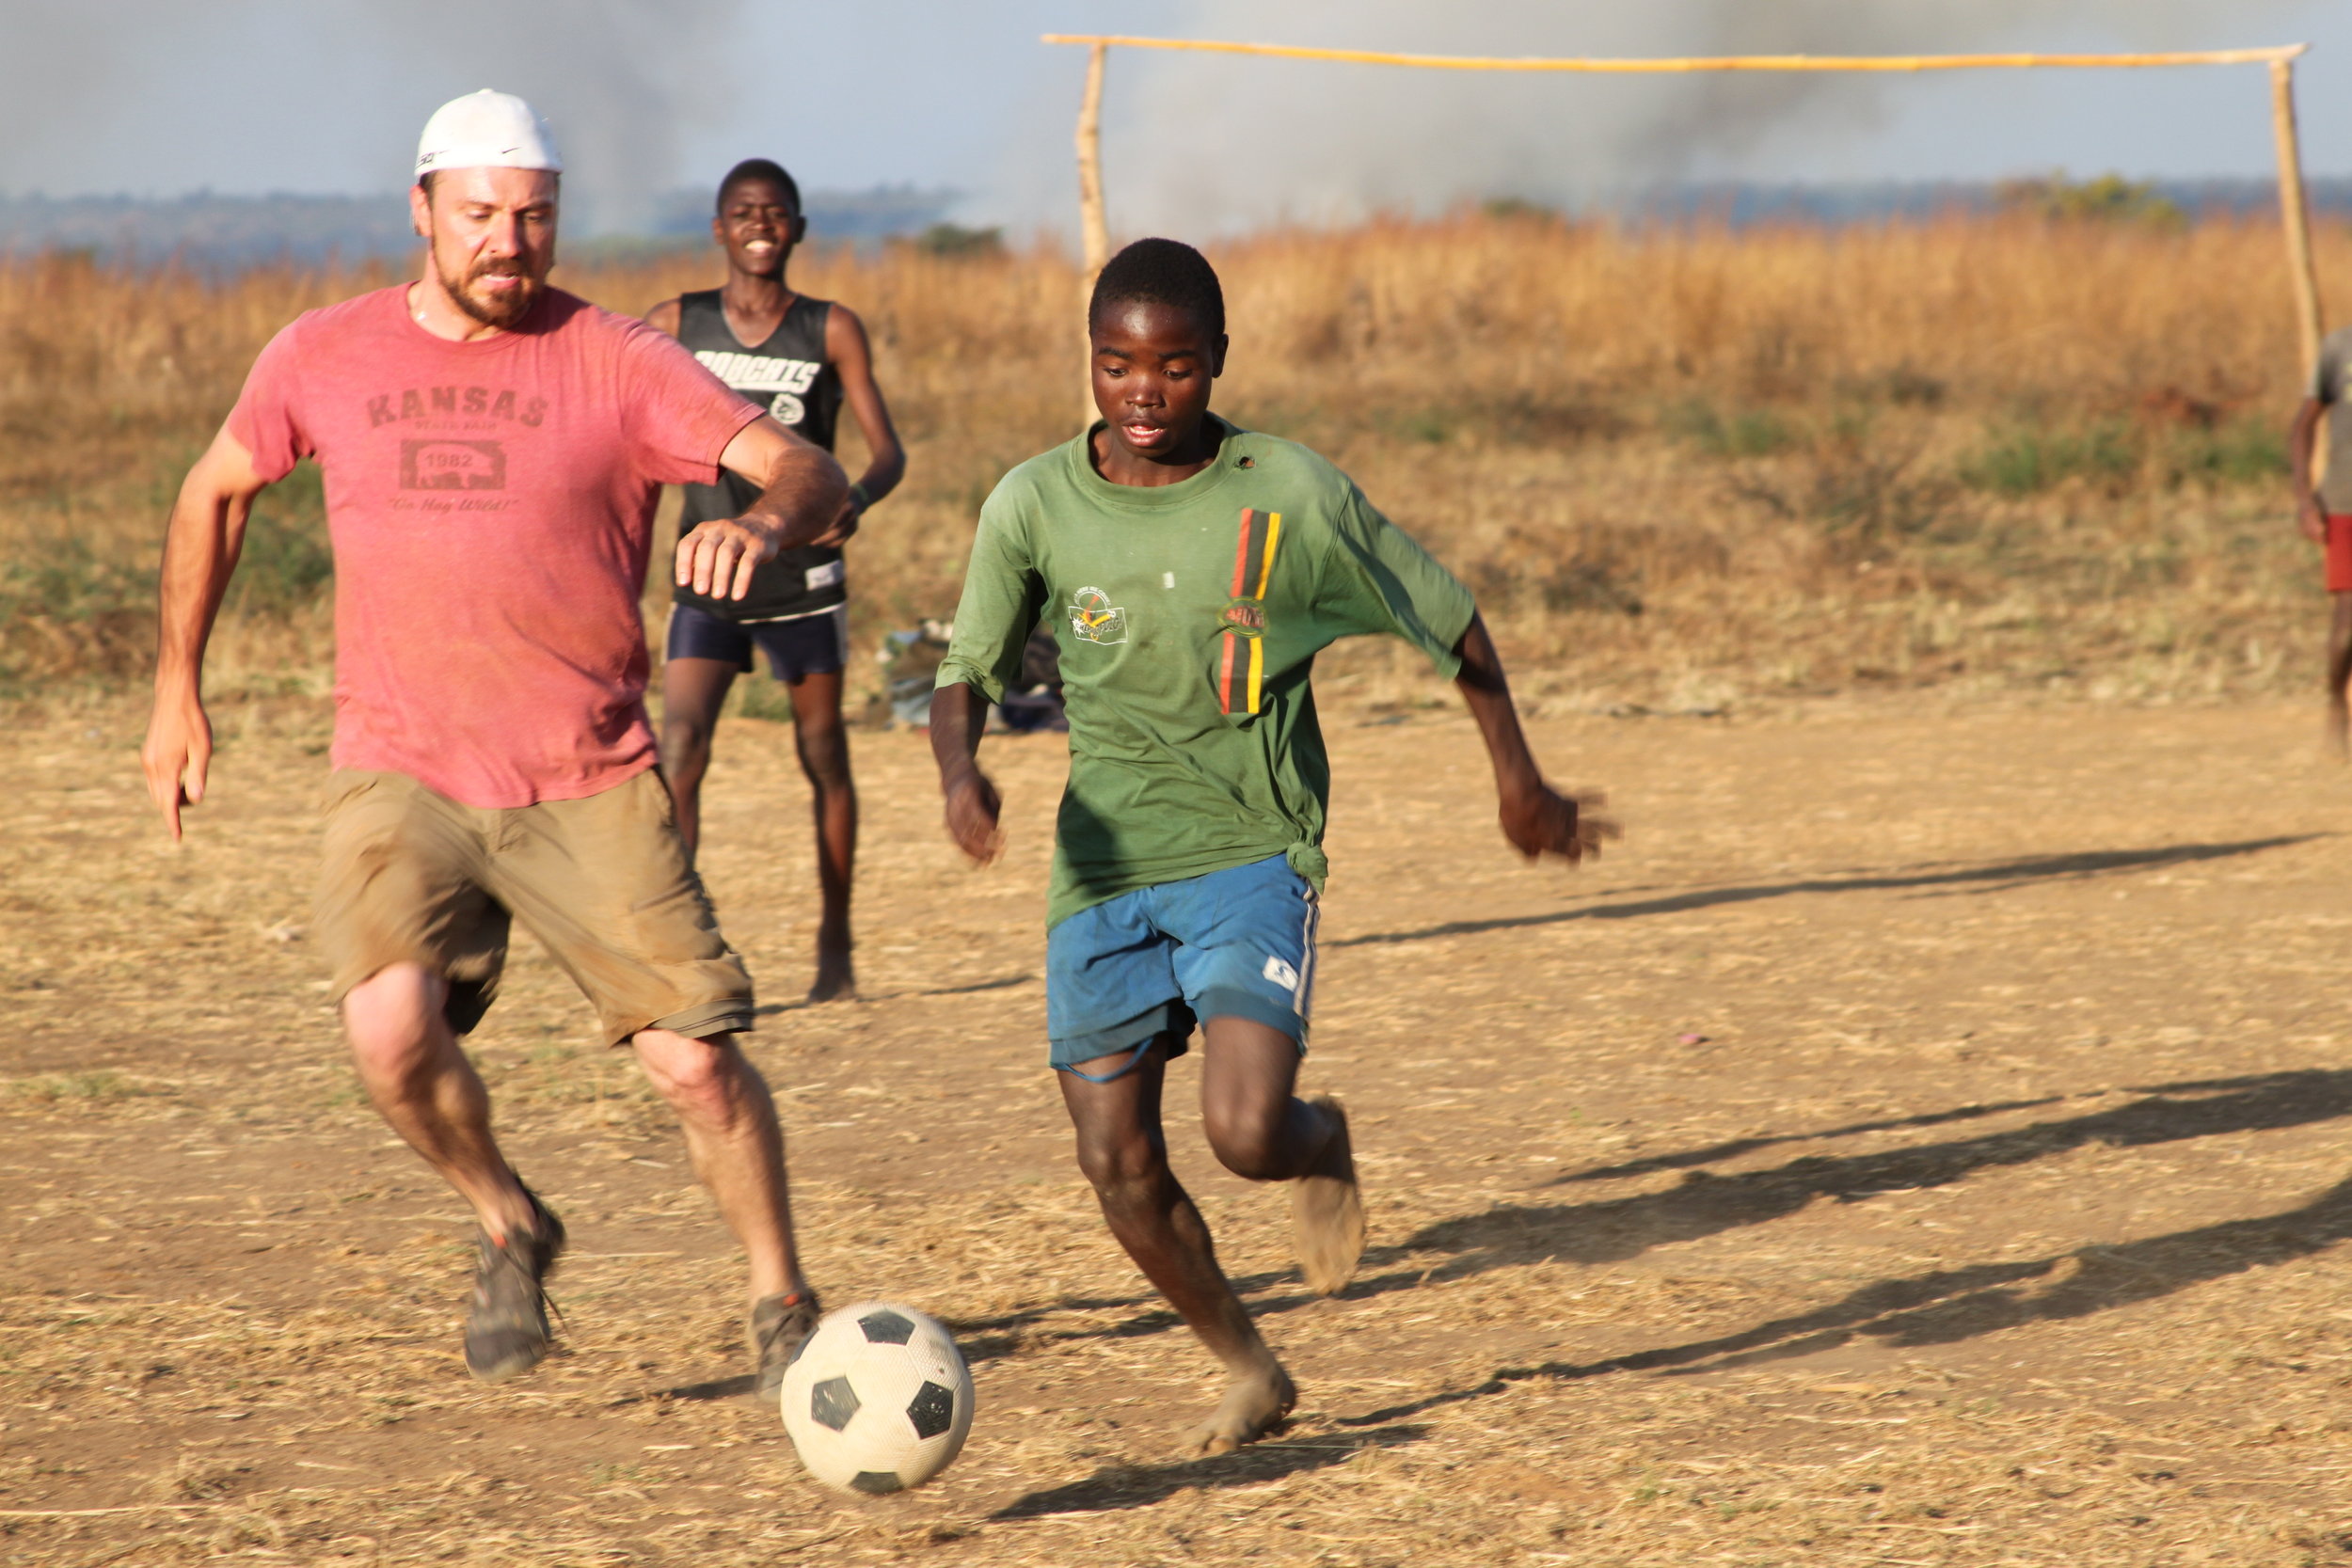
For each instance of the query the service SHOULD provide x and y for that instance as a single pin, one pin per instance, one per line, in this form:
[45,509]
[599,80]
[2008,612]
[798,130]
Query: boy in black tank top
[799,359]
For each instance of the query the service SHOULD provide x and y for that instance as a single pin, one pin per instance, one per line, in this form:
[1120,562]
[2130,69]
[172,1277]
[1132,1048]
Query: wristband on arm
[857,493]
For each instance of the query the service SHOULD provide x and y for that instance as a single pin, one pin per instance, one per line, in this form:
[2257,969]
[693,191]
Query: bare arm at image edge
[804,500]
[2311,515]
[200,546]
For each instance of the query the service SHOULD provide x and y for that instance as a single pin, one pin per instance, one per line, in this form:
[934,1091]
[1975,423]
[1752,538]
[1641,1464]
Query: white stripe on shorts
[1307,959]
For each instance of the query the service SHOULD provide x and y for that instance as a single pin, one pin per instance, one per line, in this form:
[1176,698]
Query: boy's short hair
[760,168]
[1161,272]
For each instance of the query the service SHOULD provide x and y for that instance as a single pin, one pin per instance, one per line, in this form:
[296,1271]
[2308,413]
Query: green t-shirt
[1188,618]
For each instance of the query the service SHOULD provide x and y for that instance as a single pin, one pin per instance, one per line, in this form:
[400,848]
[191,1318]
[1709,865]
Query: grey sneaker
[506,1330]
[781,1324]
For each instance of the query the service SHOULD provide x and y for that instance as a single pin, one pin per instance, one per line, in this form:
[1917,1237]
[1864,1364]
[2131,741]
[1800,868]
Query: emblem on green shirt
[1095,619]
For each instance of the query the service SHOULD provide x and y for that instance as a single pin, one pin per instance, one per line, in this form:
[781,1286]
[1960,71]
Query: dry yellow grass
[1681,467]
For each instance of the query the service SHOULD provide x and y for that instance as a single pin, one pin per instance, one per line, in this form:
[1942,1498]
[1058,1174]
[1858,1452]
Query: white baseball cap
[487,130]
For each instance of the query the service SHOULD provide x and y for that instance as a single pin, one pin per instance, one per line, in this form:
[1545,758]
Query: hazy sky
[166,96]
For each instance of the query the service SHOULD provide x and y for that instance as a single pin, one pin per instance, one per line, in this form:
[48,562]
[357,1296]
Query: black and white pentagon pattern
[833,1403]
[878,1401]
[932,1409]
[886,1327]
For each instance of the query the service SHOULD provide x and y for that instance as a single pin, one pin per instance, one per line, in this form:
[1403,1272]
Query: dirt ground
[1924,1142]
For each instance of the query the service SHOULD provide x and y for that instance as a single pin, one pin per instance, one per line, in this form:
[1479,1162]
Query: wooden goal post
[2293,215]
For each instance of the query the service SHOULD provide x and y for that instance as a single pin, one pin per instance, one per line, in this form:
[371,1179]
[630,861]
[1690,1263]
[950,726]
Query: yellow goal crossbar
[2292,208]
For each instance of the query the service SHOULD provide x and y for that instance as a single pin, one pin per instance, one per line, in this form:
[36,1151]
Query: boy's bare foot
[836,978]
[2339,723]
[1328,1209]
[1254,1406]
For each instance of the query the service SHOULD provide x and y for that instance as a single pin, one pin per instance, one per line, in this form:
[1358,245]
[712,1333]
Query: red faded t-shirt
[491,507]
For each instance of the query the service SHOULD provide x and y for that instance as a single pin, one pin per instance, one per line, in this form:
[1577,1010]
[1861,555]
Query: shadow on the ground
[1734,1148]
[1141,1485]
[1950,1305]
[1938,1308]
[769,1010]
[1994,878]
[743,1387]
[1705,1204]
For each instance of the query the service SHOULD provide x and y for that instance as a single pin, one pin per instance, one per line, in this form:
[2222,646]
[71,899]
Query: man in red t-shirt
[493,449]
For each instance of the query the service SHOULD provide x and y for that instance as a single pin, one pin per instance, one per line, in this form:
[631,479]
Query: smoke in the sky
[622,81]
[1220,142]
[162,95]
[248,96]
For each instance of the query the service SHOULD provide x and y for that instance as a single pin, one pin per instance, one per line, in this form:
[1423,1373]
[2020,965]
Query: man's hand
[971,812]
[717,559]
[801,498]
[2312,519]
[1539,820]
[178,754]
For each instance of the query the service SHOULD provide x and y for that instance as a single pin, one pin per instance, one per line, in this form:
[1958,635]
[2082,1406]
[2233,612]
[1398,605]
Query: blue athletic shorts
[814,644]
[1236,942]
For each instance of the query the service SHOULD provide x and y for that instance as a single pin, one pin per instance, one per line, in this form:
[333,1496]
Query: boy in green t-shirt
[1192,570]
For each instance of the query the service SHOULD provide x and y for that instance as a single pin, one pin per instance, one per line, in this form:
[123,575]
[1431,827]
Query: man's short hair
[760,168]
[1161,272]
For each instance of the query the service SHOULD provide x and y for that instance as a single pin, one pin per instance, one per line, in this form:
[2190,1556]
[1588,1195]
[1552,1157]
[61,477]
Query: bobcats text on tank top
[790,377]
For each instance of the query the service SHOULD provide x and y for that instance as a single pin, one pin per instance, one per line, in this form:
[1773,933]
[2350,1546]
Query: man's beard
[500,310]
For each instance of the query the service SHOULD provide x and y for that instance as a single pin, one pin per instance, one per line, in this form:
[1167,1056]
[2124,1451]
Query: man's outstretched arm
[1536,818]
[959,714]
[803,501]
[200,545]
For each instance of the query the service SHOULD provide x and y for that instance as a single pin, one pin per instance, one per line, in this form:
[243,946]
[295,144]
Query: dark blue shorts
[805,645]
[1237,943]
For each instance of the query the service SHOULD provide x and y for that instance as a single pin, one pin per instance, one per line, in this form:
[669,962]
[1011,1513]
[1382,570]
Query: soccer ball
[877,1400]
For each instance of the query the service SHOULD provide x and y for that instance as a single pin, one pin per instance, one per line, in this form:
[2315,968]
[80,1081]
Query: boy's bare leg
[1124,1154]
[693,692]
[1260,1129]
[2339,673]
[423,1082]
[736,1145]
[823,743]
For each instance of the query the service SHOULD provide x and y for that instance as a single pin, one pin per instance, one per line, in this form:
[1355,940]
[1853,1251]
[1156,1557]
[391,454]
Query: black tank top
[790,377]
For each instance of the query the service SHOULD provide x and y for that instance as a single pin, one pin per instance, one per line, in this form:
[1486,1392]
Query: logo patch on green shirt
[1095,619]
[1246,616]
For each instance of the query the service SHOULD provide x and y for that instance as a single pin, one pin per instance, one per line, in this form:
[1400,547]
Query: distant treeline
[231,230]
[216,231]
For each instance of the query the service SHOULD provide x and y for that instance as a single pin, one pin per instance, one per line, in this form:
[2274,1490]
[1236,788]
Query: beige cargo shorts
[413,877]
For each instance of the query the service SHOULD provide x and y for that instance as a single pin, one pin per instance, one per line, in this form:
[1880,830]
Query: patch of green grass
[67,579]
[1743,433]
[759,696]
[87,1087]
[2243,451]
[286,560]
[2027,459]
